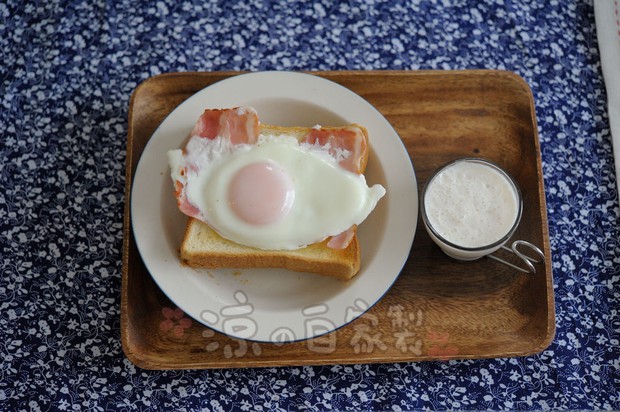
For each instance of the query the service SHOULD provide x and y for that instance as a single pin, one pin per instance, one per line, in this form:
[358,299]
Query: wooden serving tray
[438,308]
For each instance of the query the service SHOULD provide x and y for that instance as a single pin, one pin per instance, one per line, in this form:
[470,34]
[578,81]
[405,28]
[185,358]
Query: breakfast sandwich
[259,195]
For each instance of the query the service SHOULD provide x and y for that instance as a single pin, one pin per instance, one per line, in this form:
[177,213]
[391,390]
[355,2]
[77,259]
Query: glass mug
[471,207]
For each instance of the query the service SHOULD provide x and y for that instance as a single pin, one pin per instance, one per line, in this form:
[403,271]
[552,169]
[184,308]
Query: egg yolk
[261,193]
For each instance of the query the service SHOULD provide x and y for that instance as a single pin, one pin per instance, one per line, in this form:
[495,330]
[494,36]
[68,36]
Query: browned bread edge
[316,258]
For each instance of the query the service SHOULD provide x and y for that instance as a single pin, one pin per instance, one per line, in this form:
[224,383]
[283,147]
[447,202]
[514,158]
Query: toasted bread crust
[202,247]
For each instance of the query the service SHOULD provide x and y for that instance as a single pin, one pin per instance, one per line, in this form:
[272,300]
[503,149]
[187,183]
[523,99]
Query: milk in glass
[470,208]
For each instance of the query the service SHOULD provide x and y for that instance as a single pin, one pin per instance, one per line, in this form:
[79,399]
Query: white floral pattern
[67,70]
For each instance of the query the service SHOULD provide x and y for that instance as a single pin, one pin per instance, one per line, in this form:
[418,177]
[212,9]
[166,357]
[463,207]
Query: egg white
[328,199]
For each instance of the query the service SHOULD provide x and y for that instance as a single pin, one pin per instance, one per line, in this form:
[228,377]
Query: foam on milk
[471,204]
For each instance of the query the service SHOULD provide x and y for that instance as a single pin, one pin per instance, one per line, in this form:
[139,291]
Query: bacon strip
[351,141]
[342,240]
[239,125]
[184,205]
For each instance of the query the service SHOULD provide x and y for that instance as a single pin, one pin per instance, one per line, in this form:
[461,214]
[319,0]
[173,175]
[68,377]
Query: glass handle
[527,260]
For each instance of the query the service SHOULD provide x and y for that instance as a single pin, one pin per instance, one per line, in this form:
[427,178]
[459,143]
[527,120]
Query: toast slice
[202,247]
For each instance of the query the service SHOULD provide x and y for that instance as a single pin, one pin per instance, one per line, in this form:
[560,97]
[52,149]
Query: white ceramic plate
[270,305]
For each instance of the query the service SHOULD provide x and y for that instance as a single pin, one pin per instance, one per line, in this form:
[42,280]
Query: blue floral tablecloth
[67,70]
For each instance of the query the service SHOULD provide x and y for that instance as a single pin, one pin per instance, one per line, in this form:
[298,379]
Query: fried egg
[276,194]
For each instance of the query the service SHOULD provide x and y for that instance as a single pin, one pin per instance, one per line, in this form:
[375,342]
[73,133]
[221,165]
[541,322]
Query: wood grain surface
[439,308]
